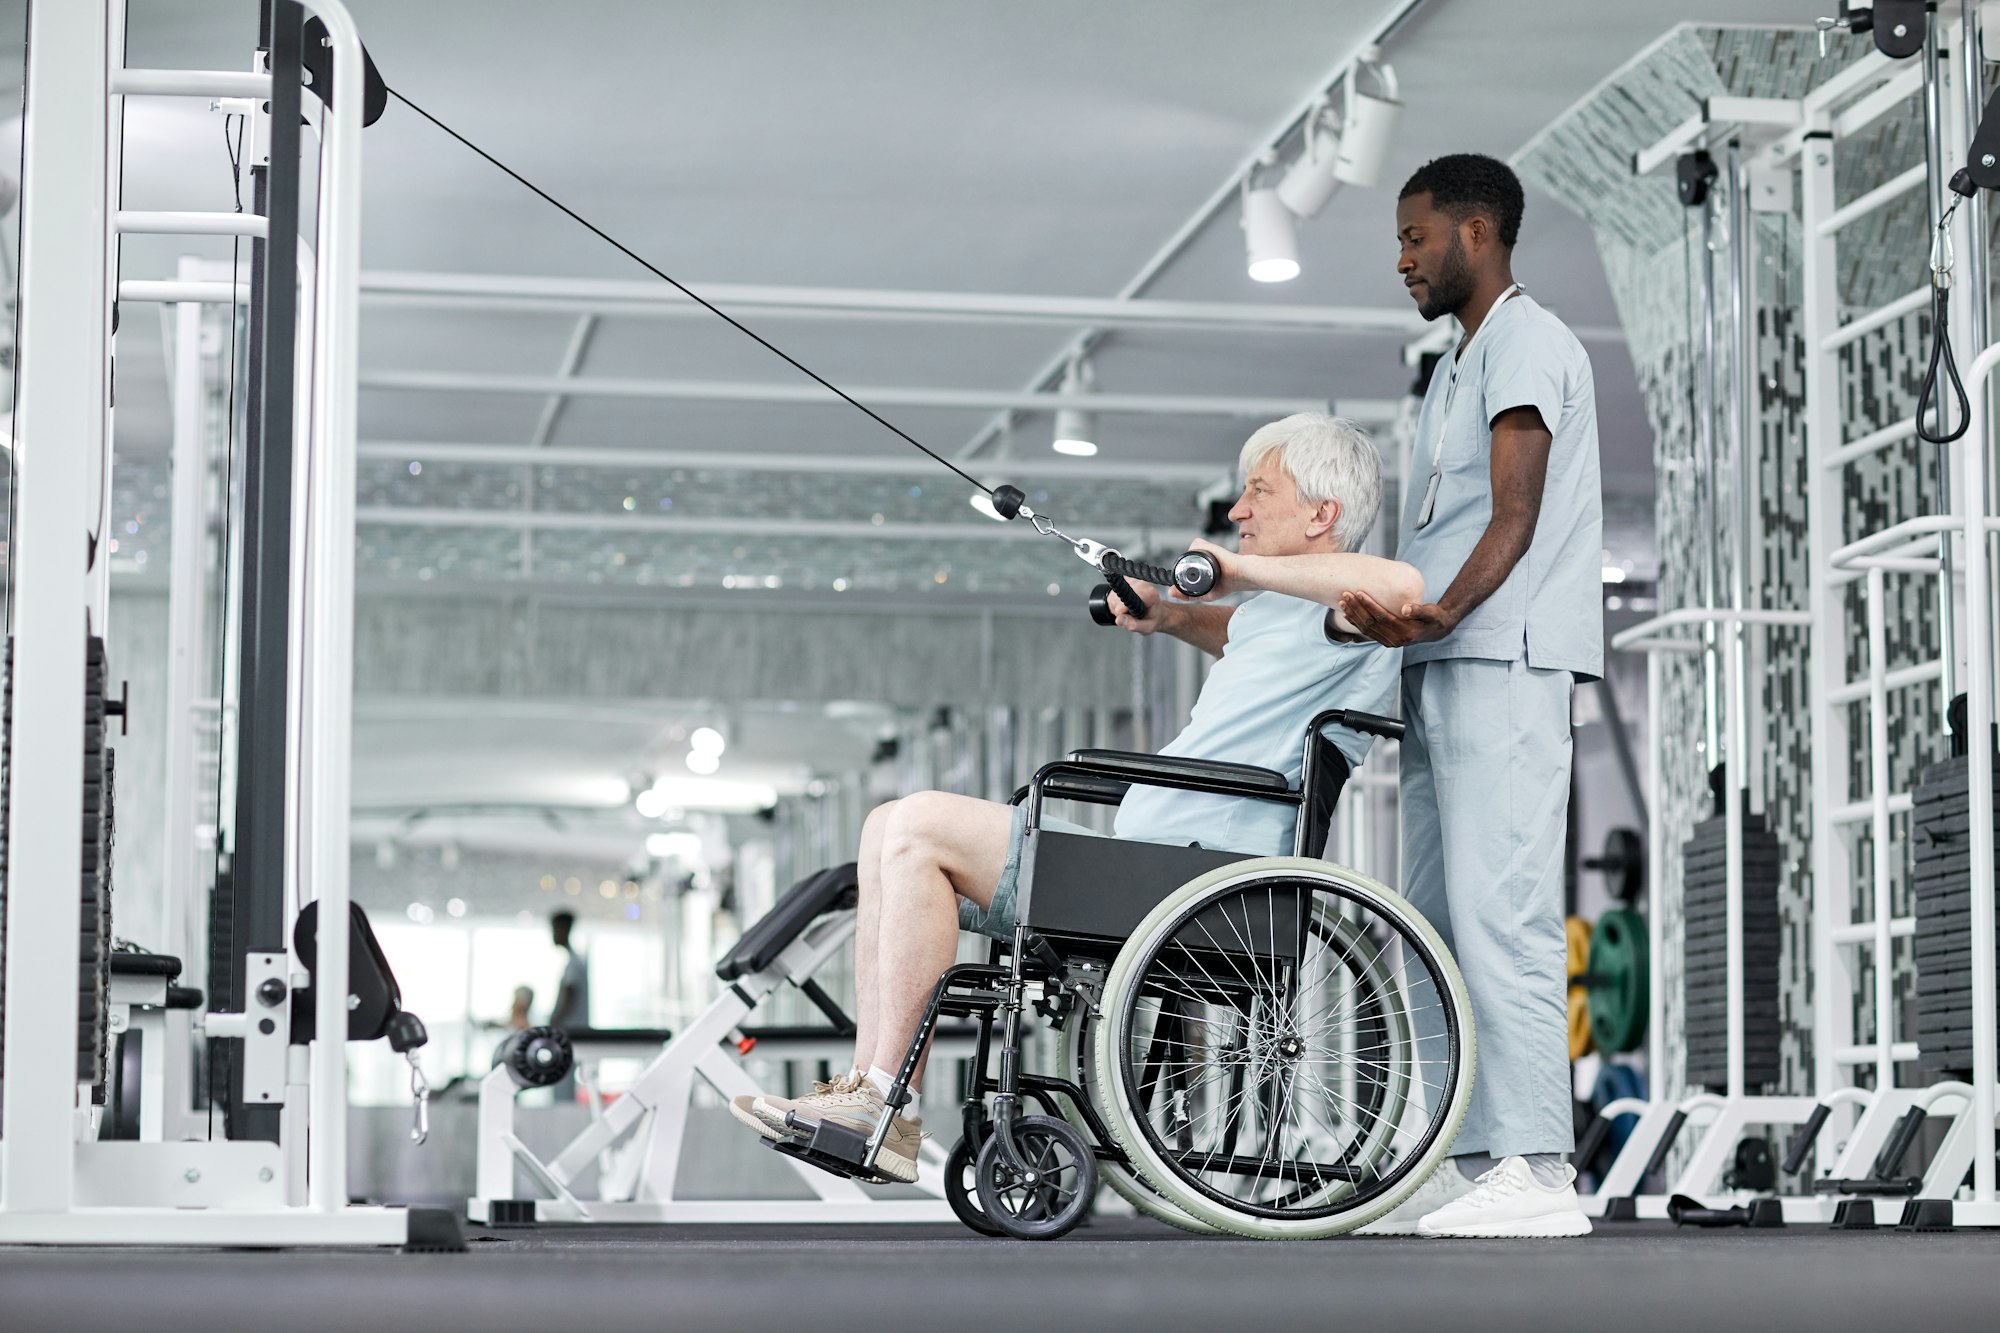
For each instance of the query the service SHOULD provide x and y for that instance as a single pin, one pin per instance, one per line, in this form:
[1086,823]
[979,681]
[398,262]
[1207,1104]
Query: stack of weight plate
[1705,958]
[1941,886]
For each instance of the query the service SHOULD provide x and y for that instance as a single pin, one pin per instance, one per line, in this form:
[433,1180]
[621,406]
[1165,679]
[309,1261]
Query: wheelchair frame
[986,991]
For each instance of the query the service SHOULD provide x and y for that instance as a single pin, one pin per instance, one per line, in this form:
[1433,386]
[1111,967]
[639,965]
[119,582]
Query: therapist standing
[1503,513]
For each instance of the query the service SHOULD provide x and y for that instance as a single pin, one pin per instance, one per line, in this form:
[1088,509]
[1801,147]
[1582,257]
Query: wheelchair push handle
[1370,724]
[1194,573]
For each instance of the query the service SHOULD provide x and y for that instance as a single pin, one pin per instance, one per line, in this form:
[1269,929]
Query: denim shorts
[997,921]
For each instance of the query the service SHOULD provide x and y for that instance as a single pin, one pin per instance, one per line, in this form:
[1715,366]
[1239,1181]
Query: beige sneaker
[767,1115]
[861,1111]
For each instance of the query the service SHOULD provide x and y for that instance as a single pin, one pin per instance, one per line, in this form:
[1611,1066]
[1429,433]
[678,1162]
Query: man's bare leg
[867,915]
[936,848]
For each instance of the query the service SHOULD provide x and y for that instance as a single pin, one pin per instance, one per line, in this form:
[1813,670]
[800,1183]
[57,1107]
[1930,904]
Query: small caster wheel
[1054,1194]
[961,1189]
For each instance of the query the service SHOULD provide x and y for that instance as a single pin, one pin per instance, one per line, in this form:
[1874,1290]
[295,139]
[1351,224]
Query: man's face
[1269,518]
[1431,257]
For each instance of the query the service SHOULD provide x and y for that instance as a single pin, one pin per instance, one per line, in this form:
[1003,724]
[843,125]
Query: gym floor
[1115,1274]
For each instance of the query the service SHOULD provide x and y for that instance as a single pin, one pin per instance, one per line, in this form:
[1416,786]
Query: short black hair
[562,920]
[1461,184]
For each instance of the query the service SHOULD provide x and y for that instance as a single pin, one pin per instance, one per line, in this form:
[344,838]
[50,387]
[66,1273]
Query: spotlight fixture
[1311,180]
[1369,122]
[1270,236]
[706,740]
[1076,430]
[703,762]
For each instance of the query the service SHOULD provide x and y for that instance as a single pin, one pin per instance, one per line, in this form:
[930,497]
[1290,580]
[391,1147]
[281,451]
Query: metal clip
[1825,26]
[420,1089]
[1942,254]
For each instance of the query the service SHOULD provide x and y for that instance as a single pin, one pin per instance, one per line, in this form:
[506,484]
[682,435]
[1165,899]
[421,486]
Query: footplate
[835,1149]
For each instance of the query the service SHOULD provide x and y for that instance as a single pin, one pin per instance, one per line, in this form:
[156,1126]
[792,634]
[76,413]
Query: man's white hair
[1329,458]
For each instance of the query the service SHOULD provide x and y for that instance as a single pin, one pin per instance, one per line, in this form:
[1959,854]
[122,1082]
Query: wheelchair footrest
[832,1148]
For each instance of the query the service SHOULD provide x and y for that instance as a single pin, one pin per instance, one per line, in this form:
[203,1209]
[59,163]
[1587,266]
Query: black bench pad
[145,965]
[802,904]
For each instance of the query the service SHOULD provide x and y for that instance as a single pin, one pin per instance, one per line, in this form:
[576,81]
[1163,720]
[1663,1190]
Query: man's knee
[917,827]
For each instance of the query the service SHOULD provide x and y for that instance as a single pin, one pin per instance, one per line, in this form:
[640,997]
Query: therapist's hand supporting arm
[1520,467]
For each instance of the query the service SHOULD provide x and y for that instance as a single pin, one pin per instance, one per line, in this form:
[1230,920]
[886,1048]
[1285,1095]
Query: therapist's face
[1432,258]
[1270,519]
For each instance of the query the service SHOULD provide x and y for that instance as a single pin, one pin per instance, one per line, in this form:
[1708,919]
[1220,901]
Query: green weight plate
[1619,980]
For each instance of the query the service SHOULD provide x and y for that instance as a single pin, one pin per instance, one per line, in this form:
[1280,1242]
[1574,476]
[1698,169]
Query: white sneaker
[1509,1201]
[1440,1187]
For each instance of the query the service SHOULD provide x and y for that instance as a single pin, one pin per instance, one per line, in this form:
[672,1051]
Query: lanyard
[1444,407]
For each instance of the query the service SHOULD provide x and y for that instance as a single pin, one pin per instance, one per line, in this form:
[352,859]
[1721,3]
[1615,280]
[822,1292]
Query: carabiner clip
[420,1089]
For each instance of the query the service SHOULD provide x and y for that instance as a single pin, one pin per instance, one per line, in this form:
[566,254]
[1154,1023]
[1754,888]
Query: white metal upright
[57,1185]
[59,430]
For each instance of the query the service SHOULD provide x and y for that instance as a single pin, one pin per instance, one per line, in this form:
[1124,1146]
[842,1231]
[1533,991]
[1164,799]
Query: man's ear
[1478,233]
[1324,518]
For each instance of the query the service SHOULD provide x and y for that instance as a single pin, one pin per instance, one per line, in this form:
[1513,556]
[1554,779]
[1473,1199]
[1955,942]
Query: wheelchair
[1271,1047]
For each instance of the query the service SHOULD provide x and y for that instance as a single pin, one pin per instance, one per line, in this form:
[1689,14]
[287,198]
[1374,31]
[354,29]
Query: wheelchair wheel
[1055,1197]
[961,1188]
[1079,1063]
[1286,1049]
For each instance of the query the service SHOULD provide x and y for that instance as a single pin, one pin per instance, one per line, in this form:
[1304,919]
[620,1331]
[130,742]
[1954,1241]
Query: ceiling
[1036,147]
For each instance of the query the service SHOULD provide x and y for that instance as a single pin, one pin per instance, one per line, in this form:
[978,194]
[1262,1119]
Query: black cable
[733,322]
[1941,354]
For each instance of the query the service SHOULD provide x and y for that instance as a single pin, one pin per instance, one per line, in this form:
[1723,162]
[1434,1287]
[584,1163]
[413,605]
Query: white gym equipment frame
[57,1183]
[635,1142]
[1776,137]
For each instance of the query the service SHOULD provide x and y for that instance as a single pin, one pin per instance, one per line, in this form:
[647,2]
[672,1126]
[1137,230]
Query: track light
[1270,236]
[1369,122]
[1311,182]
[1076,430]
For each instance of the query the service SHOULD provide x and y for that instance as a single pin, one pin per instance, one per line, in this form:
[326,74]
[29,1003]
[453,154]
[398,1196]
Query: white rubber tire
[1124,1122]
[1077,1058]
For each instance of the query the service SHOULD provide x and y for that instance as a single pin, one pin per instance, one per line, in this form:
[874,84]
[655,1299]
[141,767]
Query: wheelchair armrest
[1372,724]
[1088,788]
[1144,767]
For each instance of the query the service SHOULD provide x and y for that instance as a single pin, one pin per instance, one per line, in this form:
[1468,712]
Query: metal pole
[329,707]
[1934,181]
[1976,297]
[1711,567]
[254,913]
[60,423]
[1743,475]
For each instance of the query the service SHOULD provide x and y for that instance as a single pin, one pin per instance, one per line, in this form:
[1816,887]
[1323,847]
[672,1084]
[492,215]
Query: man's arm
[1520,467]
[1325,577]
[1206,627]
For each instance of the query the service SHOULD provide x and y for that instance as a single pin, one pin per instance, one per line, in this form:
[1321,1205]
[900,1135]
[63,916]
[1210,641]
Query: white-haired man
[933,862]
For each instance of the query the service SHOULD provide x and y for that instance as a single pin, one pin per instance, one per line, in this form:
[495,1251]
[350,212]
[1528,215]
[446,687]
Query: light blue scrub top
[1552,604]
[1278,671]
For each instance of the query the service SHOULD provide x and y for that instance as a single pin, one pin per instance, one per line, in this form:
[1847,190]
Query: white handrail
[1642,636]
[172,293]
[1876,318]
[192,224]
[1893,188]
[190,82]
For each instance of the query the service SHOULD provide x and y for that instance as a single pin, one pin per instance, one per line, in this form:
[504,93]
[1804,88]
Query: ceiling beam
[507,455]
[397,516]
[1152,404]
[470,291]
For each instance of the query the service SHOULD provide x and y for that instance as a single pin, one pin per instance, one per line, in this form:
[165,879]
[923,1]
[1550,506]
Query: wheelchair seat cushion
[805,902]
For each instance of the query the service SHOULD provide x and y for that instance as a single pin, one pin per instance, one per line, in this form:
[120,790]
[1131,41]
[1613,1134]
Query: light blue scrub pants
[1485,802]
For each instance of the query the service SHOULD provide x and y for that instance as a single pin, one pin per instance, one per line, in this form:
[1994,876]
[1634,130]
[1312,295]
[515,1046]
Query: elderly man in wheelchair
[1251,1041]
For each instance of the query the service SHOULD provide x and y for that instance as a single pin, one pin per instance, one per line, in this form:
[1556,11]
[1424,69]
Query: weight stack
[1941,890]
[1704,965]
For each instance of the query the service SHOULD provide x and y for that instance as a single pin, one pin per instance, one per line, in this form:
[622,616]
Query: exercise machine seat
[802,904]
[145,965]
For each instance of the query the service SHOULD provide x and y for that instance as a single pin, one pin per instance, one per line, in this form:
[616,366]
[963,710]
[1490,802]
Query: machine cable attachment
[1941,262]
[1194,573]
